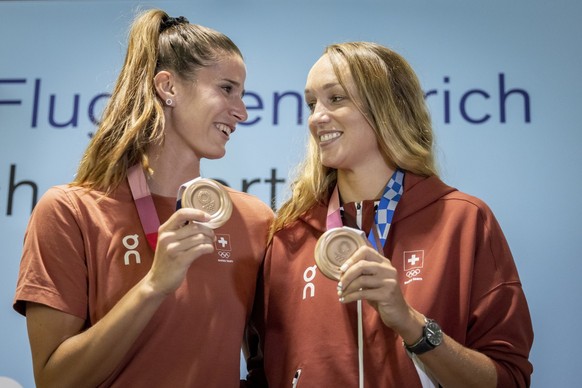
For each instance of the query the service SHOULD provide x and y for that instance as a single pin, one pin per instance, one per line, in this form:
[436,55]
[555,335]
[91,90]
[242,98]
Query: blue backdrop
[502,80]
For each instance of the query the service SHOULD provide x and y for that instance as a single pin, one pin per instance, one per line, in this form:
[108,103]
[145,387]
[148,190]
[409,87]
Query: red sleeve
[500,324]
[53,270]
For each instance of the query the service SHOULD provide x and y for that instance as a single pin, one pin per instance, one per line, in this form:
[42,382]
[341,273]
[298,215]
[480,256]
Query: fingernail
[341,299]
[344,267]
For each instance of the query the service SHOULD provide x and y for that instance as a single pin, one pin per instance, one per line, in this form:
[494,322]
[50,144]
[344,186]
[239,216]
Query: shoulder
[432,193]
[248,203]
[473,213]
[470,203]
[464,199]
[58,197]
[312,223]
[59,192]
[70,193]
[433,188]
[77,200]
[56,217]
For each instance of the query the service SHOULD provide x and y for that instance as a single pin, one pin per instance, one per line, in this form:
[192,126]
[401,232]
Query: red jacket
[454,266]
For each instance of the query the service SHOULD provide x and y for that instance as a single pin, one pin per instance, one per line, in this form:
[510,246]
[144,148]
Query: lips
[329,136]
[225,129]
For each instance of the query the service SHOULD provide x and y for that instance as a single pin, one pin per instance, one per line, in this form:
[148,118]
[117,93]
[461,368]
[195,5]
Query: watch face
[434,335]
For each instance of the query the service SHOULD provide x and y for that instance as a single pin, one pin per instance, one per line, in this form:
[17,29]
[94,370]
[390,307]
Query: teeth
[224,128]
[329,136]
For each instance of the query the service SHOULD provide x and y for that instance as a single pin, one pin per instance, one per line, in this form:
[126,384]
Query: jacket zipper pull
[359,214]
[296,378]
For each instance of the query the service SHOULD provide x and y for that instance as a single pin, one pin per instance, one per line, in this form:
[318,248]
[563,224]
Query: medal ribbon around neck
[383,215]
[142,197]
[144,203]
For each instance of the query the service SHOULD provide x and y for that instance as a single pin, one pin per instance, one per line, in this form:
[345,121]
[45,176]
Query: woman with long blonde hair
[426,293]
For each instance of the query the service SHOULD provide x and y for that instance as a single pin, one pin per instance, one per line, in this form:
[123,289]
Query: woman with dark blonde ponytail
[120,285]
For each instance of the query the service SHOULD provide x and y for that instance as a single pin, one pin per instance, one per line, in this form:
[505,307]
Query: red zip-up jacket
[454,266]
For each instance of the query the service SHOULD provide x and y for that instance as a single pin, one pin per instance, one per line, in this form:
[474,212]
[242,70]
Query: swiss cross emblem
[222,242]
[413,259]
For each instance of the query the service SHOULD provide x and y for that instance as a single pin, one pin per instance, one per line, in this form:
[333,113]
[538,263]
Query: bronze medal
[334,247]
[209,196]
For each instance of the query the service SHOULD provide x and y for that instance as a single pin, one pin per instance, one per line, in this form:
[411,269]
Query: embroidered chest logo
[413,265]
[223,248]
[308,277]
[131,242]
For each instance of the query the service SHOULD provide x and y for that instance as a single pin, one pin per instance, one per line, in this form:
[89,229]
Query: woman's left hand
[367,275]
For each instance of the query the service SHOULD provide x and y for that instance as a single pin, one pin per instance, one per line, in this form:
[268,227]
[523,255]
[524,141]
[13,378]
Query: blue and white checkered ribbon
[386,207]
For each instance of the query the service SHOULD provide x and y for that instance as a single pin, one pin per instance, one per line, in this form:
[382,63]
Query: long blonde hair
[133,118]
[392,101]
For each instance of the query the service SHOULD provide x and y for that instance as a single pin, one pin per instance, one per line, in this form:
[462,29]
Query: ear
[164,84]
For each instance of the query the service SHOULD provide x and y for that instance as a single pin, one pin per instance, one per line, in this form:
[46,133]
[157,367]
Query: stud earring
[169,102]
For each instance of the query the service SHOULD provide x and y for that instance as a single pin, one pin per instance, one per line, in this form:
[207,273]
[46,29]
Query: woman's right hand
[181,240]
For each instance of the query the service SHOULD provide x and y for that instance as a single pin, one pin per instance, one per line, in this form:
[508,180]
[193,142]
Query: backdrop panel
[503,85]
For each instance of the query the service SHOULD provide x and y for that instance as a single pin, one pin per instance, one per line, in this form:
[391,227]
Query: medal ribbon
[142,197]
[144,203]
[383,215]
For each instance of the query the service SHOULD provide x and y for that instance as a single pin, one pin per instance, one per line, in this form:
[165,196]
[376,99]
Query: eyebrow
[326,86]
[236,83]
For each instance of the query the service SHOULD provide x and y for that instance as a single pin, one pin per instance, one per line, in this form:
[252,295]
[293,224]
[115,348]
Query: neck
[358,187]
[168,177]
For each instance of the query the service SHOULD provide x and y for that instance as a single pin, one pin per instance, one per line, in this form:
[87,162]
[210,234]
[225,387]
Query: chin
[330,163]
[215,155]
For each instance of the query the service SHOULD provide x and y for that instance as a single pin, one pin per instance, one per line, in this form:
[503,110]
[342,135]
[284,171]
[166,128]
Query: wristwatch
[432,336]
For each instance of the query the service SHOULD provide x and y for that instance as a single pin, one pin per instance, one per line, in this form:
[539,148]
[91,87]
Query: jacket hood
[419,192]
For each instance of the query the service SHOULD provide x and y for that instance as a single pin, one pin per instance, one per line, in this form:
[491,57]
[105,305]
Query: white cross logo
[413,259]
[222,241]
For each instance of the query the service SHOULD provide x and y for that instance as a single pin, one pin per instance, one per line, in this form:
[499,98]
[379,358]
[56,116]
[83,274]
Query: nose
[319,115]
[240,110]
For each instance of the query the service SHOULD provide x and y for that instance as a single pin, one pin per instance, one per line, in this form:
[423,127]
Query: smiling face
[346,139]
[205,111]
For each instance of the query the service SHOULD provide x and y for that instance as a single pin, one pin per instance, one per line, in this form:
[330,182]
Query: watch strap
[422,345]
